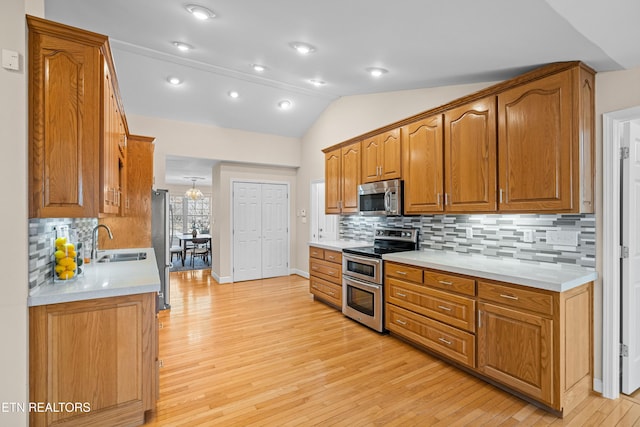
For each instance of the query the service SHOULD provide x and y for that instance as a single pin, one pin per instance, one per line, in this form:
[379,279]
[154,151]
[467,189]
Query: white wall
[210,142]
[13,227]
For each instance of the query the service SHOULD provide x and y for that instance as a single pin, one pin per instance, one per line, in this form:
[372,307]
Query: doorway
[260,230]
[621,253]
[323,227]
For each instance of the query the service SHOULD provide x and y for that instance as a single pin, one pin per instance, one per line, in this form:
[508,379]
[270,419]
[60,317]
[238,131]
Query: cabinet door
[422,157]
[516,349]
[391,158]
[535,141]
[333,181]
[63,130]
[470,157]
[97,351]
[350,177]
[371,157]
[110,178]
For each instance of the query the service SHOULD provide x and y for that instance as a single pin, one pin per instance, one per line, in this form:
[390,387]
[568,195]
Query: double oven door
[362,292]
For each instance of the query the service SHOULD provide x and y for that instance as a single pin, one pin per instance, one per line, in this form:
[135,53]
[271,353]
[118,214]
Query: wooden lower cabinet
[101,354]
[325,275]
[534,342]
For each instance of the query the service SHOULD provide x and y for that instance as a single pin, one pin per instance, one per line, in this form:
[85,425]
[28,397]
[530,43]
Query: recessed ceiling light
[233,94]
[174,80]
[303,48]
[258,68]
[182,46]
[317,83]
[376,71]
[200,12]
[285,104]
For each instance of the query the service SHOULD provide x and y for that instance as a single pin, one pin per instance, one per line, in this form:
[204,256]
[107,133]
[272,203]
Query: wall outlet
[527,236]
[562,238]
[469,232]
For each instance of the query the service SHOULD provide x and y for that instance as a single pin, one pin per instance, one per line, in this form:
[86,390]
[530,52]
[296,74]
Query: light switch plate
[469,232]
[10,60]
[527,236]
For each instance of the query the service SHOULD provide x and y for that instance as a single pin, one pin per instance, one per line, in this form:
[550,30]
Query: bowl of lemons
[67,263]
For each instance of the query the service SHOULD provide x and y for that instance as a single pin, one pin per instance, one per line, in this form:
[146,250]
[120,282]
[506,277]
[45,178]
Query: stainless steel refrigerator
[161,240]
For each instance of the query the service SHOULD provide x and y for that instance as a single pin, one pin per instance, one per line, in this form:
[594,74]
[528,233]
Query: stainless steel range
[363,274]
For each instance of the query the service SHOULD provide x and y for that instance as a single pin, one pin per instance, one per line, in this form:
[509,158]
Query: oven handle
[361,283]
[364,260]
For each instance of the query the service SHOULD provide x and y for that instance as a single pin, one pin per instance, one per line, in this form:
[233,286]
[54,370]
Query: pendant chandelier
[193,193]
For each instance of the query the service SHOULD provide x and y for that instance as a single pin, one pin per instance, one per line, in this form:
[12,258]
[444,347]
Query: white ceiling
[423,43]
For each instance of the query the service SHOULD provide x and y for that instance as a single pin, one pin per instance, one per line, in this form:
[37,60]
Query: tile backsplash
[42,234]
[523,237]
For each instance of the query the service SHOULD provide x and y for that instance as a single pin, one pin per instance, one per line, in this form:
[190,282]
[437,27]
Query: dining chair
[200,249]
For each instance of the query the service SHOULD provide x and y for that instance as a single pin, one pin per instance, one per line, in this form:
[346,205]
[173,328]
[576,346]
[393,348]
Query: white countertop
[541,275]
[101,280]
[338,245]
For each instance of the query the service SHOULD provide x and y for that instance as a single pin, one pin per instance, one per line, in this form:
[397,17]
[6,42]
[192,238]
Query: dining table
[185,238]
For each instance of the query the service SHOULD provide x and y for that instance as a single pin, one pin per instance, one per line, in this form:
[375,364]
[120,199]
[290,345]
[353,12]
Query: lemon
[66,261]
[60,241]
[70,247]
[60,268]
[65,275]
[72,266]
[59,254]
[71,254]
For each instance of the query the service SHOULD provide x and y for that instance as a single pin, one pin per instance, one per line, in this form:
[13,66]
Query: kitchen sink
[123,256]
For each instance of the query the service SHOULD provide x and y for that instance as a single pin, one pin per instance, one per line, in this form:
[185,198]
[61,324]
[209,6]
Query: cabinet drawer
[326,270]
[401,271]
[450,342]
[316,252]
[326,291]
[454,310]
[333,256]
[511,295]
[448,282]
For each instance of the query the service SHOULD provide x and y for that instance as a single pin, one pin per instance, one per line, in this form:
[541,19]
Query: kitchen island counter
[102,280]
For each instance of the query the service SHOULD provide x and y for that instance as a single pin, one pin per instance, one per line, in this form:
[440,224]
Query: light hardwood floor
[264,353]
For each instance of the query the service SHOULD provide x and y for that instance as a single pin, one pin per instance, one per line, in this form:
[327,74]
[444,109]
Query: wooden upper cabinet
[470,157]
[423,169]
[351,164]
[64,112]
[546,144]
[382,157]
[333,181]
[342,177]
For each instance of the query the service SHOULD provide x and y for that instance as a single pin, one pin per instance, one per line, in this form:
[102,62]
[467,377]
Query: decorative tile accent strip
[500,236]
[42,235]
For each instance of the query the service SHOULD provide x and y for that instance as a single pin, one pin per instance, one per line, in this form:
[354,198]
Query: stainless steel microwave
[380,198]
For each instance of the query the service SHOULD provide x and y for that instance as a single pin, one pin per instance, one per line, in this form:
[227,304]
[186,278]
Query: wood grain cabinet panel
[470,145]
[342,176]
[325,275]
[422,155]
[100,351]
[382,157]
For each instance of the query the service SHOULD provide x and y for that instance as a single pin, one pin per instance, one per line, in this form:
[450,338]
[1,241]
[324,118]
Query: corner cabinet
[546,142]
[77,129]
[342,177]
[100,352]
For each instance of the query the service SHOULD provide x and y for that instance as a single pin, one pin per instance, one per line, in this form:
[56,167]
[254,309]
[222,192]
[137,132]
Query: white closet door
[247,233]
[275,235]
[630,238]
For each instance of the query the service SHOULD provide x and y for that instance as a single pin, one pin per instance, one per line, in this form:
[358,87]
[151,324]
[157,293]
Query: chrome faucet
[94,234]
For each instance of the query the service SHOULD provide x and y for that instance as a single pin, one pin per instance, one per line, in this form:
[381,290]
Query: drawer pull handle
[401,322]
[400,294]
[315,286]
[332,258]
[331,273]
[402,273]
[443,282]
[513,297]
[447,342]
[314,268]
[442,307]
[332,294]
